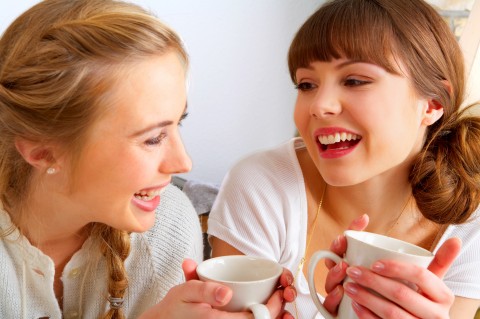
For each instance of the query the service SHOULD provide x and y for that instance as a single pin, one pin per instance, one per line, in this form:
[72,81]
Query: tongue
[340,145]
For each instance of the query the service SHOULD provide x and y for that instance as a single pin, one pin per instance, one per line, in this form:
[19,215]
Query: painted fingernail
[338,267]
[336,291]
[351,288]
[378,266]
[336,242]
[354,273]
[289,280]
[356,306]
[221,294]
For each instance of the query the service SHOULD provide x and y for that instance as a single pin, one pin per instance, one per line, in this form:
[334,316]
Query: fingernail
[338,267]
[356,306]
[354,273]
[351,288]
[378,266]
[336,291]
[221,294]
[336,242]
[289,280]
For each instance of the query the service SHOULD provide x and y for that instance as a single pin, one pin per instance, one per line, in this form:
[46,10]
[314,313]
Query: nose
[176,159]
[326,103]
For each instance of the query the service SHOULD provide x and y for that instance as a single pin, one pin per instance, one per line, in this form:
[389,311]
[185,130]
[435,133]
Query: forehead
[145,92]
[356,31]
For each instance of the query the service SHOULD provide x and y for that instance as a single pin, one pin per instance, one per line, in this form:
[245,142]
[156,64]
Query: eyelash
[307,86]
[304,86]
[156,140]
[182,118]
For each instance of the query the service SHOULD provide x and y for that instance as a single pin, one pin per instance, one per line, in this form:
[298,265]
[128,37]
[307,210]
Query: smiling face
[134,148]
[358,121]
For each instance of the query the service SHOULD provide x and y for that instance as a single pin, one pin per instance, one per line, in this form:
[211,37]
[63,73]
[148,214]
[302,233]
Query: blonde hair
[445,178]
[58,61]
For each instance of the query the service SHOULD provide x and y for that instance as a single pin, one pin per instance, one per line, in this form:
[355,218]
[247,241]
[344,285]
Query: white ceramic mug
[363,249]
[252,280]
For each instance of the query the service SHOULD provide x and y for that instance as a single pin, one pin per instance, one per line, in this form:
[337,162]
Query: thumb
[445,256]
[189,267]
[212,293]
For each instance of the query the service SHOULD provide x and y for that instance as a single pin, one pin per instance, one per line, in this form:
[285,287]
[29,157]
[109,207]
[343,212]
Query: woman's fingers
[339,245]
[369,305]
[335,276]
[445,256]
[424,280]
[332,300]
[195,291]
[389,278]
[189,267]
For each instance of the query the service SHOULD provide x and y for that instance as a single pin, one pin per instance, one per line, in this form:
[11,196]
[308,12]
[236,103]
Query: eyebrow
[159,124]
[339,66]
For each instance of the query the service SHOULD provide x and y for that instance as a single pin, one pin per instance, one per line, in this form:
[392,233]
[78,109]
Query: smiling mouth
[148,195]
[338,141]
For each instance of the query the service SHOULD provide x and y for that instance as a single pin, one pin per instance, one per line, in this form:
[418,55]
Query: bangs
[358,30]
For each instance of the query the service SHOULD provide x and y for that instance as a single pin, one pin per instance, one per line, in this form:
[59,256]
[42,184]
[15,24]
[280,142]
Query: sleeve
[463,278]
[251,208]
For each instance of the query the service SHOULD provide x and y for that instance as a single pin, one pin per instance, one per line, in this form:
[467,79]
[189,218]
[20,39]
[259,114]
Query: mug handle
[316,257]
[260,311]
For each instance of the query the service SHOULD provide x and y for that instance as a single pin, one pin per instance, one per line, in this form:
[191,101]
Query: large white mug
[363,249]
[252,280]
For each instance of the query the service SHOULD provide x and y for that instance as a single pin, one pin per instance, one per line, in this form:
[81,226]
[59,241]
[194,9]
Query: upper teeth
[148,195]
[337,137]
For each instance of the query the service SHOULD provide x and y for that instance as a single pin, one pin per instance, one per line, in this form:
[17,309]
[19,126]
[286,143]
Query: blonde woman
[91,96]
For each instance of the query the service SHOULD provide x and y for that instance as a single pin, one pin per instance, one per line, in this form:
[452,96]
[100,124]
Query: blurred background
[240,95]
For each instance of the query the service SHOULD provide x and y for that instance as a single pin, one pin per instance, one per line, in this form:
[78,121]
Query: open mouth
[338,141]
[147,196]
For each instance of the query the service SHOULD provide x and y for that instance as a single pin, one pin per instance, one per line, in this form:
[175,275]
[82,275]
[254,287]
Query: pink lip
[151,205]
[332,153]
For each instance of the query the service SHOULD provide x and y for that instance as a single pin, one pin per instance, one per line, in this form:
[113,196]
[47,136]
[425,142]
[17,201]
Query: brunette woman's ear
[36,154]
[433,112]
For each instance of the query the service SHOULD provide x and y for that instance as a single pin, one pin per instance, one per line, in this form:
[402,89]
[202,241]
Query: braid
[115,245]
[446,175]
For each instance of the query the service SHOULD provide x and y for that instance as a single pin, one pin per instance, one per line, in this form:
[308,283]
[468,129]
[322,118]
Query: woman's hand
[409,291]
[337,273]
[197,299]
[437,302]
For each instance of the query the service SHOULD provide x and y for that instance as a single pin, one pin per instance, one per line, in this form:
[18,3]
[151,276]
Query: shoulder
[176,234]
[267,167]
[463,278]
[175,218]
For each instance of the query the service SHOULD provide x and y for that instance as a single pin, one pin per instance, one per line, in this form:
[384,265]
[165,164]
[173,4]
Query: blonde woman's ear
[36,154]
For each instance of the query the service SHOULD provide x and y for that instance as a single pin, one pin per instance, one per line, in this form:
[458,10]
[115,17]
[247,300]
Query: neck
[385,202]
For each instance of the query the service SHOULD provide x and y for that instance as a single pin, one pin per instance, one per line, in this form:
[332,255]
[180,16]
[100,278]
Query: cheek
[300,117]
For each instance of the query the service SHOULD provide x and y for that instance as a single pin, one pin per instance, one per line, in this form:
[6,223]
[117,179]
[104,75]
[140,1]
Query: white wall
[240,98]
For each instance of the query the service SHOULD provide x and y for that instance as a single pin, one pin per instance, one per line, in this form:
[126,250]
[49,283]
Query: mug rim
[422,252]
[204,264]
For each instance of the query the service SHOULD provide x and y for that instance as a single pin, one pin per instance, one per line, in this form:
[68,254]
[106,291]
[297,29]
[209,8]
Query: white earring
[51,170]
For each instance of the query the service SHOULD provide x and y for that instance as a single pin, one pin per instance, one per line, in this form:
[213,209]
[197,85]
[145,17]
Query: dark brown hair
[445,177]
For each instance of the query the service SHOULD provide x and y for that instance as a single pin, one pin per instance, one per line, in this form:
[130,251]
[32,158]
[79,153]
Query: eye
[352,82]
[156,140]
[182,118]
[305,86]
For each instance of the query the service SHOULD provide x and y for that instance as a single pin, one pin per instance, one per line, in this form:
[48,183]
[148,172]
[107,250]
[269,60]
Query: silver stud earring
[51,170]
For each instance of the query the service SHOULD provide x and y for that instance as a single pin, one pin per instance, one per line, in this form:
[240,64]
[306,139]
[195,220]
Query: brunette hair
[445,177]
[58,62]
